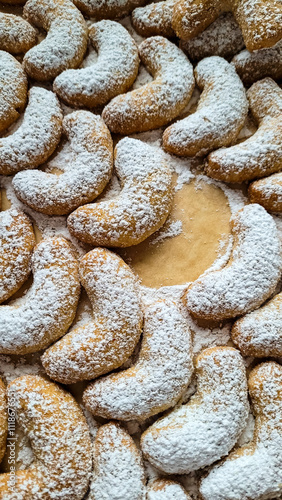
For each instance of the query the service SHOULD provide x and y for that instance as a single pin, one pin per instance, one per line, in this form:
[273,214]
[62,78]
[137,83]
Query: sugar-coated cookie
[3,419]
[259,333]
[250,276]
[260,154]
[141,207]
[261,24]
[106,342]
[267,192]
[113,73]
[220,115]
[165,489]
[58,433]
[221,38]
[108,9]
[86,163]
[118,467]
[254,472]
[66,40]
[252,66]
[47,310]
[154,19]
[16,34]
[158,378]
[17,242]
[13,89]
[160,101]
[207,427]
[37,136]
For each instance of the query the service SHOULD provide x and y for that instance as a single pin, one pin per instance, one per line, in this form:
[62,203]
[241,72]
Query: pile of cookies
[70,115]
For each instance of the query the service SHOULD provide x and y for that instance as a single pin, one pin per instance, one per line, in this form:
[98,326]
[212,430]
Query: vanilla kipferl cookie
[165,489]
[261,24]
[154,19]
[118,467]
[158,102]
[250,276]
[66,41]
[221,38]
[108,9]
[3,419]
[138,210]
[47,310]
[13,89]
[37,136]
[259,333]
[86,163]
[267,192]
[16,34]
[202,431]
[252,66]
[254,471]
[60,440]
[17,242]
[105,343]
[260,154]
[113,73]
[220,115]
[159,377]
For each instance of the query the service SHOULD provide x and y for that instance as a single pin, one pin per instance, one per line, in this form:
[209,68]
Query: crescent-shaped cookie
[66,41]
[13,89]
[165,489]
[59,436]
[253,66]
[3,419]
[222,38]
[250,276]
[220,115]
[154,19]
[259,333]
[158,102]
[16,34]
[47,310]
[106,342]
[17,242]
[118,467]
[113,73]
[267,192]
[107,9]
[141,207]
[260,154]
[36,138]
[159,377]
[85,162]
[254,471]
[205,429]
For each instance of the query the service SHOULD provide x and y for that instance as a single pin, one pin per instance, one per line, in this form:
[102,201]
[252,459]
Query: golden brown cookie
[113,73]
[66,40]
[249,278]
[219,117]
[221,38]
[252,66]
[16,34]
[85,162]
[37,136]
[254,471]
[138,210]
[154,19]
[267,192]
[108,9]
[158,102]
[17,242]
[159,377]
[13,89]
[165,489]
[47,310]
[259,333]
[59,436]
[261,24]
[260,154]
[205,429]
[118,466]
[3,419]
[105,343]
